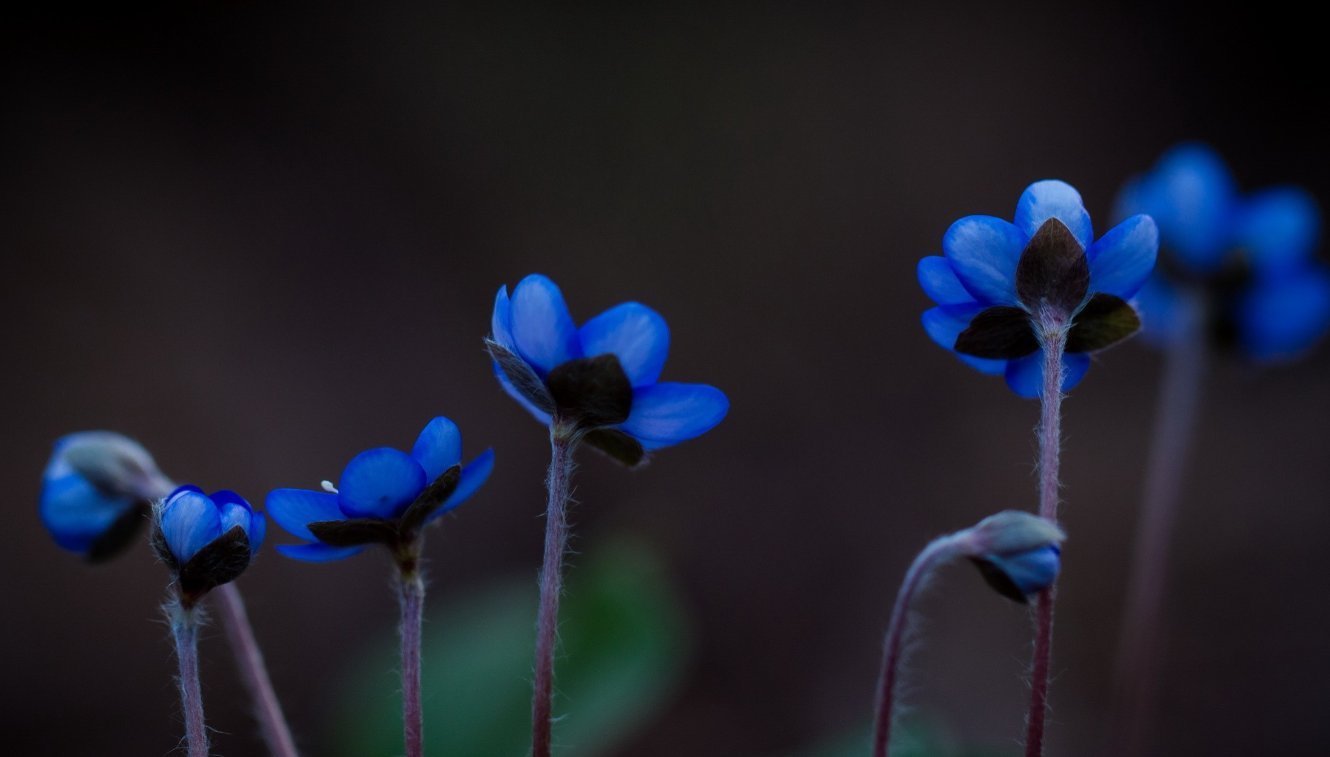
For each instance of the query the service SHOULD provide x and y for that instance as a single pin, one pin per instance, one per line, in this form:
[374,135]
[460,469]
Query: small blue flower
[207,540]
[384,496]
[1017,576]
[602,378]
[1251,255]
[1002,288]
[96,492]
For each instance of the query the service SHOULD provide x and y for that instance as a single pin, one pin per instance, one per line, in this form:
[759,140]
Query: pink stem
[235,622]
[551,586]
[185,629]
[892,646]
[412,596]
[1050,451]
[1136,684]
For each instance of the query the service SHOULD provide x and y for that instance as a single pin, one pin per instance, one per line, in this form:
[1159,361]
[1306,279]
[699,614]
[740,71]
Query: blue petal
[1278,228]
[228,497]
[670,413]
[983,252]
[944,325]
[1123,259]
[258,529]
[501,322]
[380,483]
[294,509]
[317,552]
[1025,376]
[508,387]
[438,448]
[1032,571]
[473,477]
[75,512]
[233,515]
[635,334]
[543,330]
[940,283]
[1281,318]
[190,522]
[1191,196]
[1050,198]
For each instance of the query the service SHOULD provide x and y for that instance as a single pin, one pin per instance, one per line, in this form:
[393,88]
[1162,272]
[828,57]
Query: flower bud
[206,540]
[96,490]
[1018,553]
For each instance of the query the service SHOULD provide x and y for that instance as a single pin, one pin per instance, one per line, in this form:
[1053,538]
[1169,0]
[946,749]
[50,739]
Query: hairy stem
[411,590]
[235,622]
[1050,452]
[1135,691]
[185,629]
[938,551]
[562,444]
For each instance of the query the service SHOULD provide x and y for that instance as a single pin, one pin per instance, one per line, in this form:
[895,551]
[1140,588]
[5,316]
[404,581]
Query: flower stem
[938,551]
[1050,452]
[411,588]
[235,622]
[562,444]
[1135,691]
[185,628]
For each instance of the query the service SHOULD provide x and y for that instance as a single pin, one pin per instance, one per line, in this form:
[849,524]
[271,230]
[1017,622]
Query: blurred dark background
[261,240]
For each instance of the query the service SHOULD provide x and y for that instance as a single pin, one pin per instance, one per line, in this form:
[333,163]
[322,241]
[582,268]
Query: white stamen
[328,487]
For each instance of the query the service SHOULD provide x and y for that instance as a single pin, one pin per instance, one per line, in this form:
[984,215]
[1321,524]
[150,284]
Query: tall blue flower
[1004,288]
[206,540]
[1251,256]
[96,492]
[384,496]
[601,378]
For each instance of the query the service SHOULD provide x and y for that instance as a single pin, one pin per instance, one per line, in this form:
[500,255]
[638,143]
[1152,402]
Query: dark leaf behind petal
[121,534]
[999,580]
[1053,270]
[617,445]
[1104,321]
[999,332]
[592,391]
[221,561]
[527,383]
[354,532]
[430,500]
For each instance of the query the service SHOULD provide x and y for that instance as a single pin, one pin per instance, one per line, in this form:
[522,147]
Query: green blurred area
[625,649]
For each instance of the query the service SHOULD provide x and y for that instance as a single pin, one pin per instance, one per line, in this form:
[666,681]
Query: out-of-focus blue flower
[602,378]
[207,540]
[1001,286]
[1018,553]
[96,491]
[1250,255]
[384,496]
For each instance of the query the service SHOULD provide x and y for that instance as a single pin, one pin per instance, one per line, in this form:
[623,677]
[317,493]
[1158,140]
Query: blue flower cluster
[1251,255]
[975,284]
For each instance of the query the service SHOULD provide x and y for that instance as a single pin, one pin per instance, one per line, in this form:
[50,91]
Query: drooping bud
[1018,553]
[96,490]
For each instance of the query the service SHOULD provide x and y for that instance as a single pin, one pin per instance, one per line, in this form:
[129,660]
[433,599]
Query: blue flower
[207,540]
[384,496]
[1003,288]
[96,492]
[1251,256]
[602,378]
